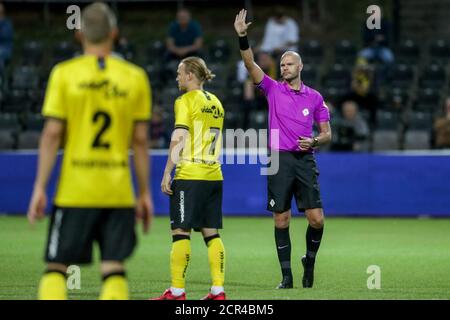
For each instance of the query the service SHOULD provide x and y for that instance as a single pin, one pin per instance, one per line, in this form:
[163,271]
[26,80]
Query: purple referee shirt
[292,112]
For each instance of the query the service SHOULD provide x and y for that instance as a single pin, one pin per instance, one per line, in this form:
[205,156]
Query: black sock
[313,239]
[283,242]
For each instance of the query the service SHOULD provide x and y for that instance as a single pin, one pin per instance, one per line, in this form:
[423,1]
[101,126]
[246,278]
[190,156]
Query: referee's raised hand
[239,23]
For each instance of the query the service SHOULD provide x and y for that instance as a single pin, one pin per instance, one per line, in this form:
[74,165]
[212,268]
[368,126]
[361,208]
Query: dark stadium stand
[412,90]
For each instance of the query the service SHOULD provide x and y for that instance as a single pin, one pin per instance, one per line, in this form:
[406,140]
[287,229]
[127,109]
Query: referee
[293,109]
[100,106]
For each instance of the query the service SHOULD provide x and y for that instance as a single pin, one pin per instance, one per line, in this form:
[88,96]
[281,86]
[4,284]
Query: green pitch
[413,255]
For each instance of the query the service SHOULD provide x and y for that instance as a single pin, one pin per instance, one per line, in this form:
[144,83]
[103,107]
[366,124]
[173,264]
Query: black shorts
[297,176]
[73,231]
[196,204]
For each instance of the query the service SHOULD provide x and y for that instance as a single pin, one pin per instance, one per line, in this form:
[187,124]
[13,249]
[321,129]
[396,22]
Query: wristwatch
[315,142]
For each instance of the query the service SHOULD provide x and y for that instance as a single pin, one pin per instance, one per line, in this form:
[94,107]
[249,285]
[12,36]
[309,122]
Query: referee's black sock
[283,242]
[313,239]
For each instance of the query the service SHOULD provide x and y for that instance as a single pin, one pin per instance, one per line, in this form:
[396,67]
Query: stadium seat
[153,72]
[417,140]
[387,120]
[333,94]
[417,120]
[126,50]
[25,77]
[402,76]
[233,119]
[385,140]
[28,140]
[427,100]
[6,139]
[396,100]
[9,122]
[309,75]
[32,53]
[311,51]
[337,76]
[219,51]
[62,51]
[433,76]
[439,51]
[155,51]
[33,122]
[258,119]
[345,53]
[17,101]
[407,52]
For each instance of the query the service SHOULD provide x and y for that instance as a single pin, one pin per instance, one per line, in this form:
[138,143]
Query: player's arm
[177,143]
[241,27]
[144,206]
[48,148]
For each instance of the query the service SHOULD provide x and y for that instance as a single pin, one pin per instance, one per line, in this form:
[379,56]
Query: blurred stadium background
[399,168]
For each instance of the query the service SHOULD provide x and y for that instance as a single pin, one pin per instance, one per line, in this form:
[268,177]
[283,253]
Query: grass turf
[413,255]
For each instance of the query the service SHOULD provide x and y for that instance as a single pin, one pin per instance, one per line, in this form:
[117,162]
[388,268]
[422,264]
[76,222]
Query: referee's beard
[292,79]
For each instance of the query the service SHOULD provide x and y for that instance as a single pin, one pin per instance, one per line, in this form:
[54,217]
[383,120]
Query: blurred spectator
[185,37]
[351,130]
[442,128]
[159,137]
[281,33]
[376,43]
[361,92]
[254,99]
[6,38]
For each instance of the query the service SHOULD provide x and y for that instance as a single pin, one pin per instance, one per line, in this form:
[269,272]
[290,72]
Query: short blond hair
[97,21]
[198,67]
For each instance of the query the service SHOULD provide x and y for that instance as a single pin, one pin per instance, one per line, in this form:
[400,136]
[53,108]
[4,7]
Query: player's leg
[180,256]
[308,198]
[283,245]
[117,240]
[53,283]
[208,220]
[181,210]
[216,258]
[280,192]
[69,242]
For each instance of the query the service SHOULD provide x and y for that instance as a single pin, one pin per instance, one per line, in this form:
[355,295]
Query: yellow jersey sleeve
[182,114]
[143,106]
[54,106]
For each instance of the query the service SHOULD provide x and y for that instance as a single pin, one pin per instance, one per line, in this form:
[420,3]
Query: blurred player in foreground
[100,105]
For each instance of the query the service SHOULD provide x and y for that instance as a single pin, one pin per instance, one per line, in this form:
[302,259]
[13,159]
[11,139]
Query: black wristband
[243,43]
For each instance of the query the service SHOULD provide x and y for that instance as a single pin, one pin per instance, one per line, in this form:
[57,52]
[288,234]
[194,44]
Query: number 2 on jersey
[98,142]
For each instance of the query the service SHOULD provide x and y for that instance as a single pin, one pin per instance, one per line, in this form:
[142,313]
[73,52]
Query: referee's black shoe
[286,283]
[308,272]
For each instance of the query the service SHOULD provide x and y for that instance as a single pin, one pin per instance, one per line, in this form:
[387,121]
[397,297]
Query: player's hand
[239,23]
[38,203]
[305,143]
[144,211]
[165,184]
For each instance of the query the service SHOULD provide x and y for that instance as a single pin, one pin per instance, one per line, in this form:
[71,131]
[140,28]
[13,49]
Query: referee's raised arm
[241,27]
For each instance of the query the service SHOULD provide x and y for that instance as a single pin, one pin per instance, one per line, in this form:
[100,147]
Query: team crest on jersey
[305,112]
